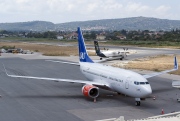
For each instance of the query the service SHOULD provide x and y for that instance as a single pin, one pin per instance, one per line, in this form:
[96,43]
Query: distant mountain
[28,26]
[134,23]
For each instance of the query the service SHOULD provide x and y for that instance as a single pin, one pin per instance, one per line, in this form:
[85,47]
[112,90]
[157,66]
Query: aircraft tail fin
[175,63]
[83,55]
[97,49]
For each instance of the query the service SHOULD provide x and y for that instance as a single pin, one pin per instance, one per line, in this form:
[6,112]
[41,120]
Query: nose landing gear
[138,101]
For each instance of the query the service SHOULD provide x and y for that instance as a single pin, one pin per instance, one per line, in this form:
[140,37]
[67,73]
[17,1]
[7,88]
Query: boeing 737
[112,55]
[106,77]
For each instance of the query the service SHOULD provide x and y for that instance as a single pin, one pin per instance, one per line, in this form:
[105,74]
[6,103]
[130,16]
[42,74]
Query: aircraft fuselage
[119,80]
[111,54]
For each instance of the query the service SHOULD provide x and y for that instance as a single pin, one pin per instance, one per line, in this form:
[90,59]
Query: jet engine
[90,91]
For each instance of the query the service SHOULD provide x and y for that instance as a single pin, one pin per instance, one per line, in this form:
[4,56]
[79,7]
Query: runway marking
[110,119]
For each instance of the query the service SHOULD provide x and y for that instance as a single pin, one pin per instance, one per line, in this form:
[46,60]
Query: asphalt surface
[29,99]
[39,100]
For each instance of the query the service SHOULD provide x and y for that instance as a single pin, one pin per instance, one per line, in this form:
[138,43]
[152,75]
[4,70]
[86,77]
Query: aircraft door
[127,83]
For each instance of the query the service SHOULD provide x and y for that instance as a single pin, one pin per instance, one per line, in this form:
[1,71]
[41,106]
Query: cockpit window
[140,83]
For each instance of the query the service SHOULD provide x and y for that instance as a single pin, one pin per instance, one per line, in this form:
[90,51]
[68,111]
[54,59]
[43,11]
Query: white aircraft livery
[106,77]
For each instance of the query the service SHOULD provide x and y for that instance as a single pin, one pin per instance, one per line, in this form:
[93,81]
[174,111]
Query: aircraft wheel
[138,103]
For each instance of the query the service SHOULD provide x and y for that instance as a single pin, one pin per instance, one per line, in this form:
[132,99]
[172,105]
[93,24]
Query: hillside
[28,26]
[134,23]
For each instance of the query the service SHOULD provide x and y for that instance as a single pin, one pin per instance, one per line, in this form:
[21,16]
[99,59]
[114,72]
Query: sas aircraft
[111,55]
[106,77]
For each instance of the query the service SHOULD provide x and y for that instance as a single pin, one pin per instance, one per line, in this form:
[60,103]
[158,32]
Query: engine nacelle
[90,91]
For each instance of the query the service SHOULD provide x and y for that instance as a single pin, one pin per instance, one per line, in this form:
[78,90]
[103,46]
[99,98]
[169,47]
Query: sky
[61,11]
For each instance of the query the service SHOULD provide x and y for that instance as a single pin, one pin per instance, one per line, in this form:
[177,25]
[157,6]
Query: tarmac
[39,100]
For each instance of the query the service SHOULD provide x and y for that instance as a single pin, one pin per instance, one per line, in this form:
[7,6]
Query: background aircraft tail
[83,55]
[175,63]
[97,49]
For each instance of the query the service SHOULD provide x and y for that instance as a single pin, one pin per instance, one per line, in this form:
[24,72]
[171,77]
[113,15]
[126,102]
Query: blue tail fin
[175,63]
[83,55]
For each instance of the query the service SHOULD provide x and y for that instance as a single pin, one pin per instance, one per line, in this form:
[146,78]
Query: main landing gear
[138,101]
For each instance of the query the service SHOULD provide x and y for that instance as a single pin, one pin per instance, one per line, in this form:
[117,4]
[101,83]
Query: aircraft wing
[77,64]
[163,72]
[58,79]
[176,84]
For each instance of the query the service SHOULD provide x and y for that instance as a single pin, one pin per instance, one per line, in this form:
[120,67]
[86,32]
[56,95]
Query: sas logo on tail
[82,55]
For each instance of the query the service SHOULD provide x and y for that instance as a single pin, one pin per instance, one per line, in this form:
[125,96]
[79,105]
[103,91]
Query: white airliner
[106,77]
[112,55]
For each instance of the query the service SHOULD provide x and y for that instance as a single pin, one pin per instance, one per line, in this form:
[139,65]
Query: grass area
[152,44]
[154,63]
[21,39]
[25,39]
[140,43]
[47,50]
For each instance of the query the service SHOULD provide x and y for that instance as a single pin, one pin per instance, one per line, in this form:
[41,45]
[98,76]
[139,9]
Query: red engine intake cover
[87,88]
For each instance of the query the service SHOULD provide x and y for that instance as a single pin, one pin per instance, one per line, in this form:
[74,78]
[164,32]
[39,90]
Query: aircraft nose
[147,90]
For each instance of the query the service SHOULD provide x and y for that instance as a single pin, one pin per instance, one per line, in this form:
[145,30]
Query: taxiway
[35,100]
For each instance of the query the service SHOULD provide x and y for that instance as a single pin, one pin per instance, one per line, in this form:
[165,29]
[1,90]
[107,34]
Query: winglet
[175,63]
[83,55]
[162,72]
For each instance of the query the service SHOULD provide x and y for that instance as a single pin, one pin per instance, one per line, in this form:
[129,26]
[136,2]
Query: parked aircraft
[109,54]
[106,77]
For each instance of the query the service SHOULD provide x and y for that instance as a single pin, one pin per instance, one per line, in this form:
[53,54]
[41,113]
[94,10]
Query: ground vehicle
[27,52]
[11,50]
[3,51]
[18,50]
